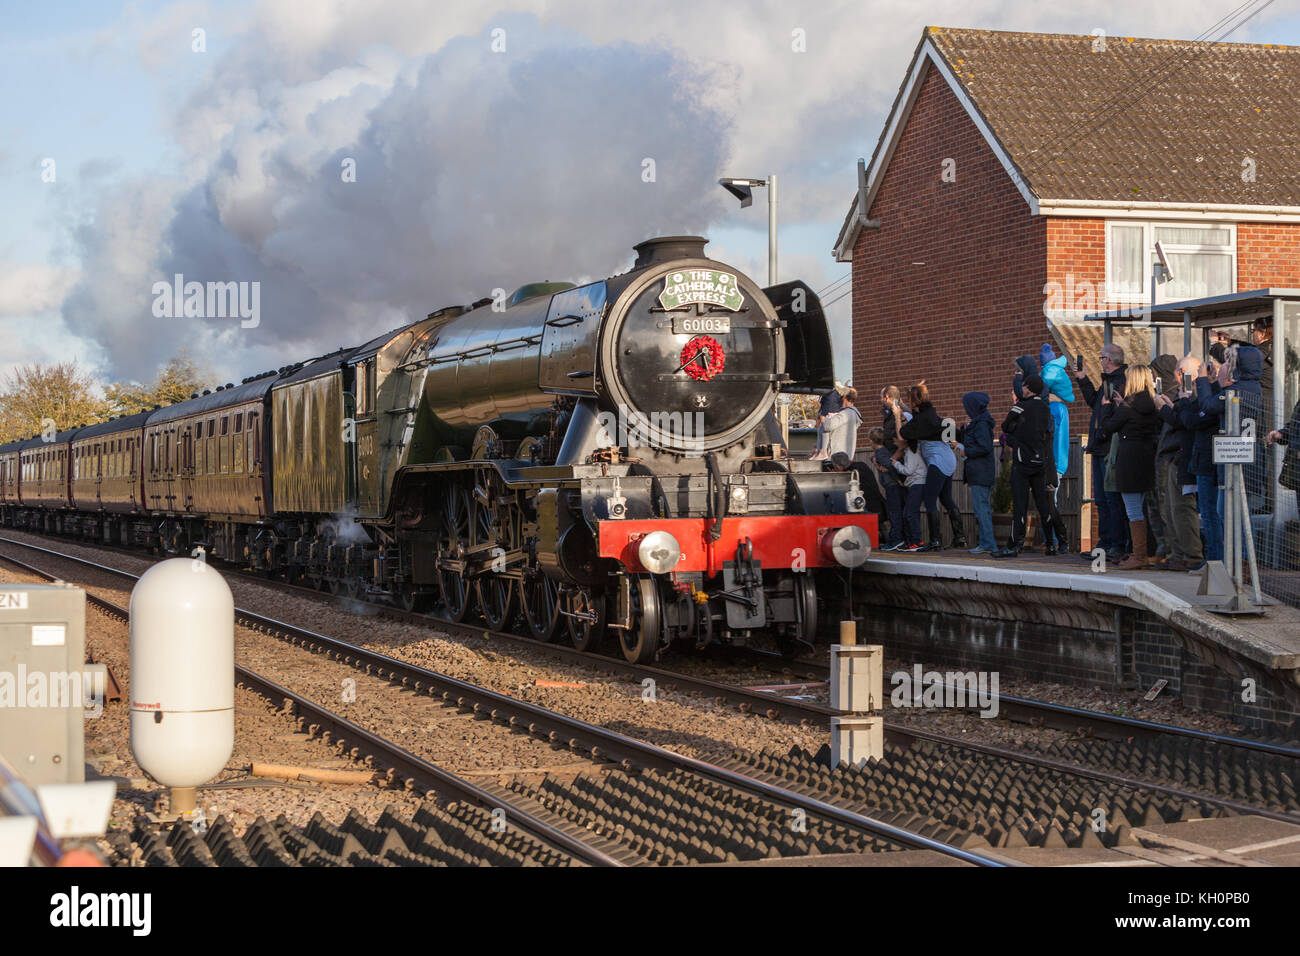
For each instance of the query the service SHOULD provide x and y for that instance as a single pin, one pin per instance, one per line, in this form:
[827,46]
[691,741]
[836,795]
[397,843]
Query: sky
[368,161]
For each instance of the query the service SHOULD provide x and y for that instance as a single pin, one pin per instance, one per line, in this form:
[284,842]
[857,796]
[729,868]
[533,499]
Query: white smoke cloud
[478,169]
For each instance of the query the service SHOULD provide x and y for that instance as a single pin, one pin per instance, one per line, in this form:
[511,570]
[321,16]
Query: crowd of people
[1155,485]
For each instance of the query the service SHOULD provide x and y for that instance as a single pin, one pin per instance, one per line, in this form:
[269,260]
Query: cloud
[31,289]
[473,171]
[478,169]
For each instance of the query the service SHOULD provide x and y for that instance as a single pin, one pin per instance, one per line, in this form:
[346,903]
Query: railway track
[633,757]
[400,766]
[1177,763]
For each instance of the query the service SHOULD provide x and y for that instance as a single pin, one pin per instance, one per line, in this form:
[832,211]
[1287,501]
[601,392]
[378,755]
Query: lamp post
[743,189]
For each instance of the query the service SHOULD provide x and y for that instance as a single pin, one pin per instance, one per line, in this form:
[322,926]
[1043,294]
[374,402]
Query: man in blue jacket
[1201,415]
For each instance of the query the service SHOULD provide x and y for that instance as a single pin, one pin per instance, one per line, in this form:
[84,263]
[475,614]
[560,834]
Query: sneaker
[980,549]
[912,548]
[893,546]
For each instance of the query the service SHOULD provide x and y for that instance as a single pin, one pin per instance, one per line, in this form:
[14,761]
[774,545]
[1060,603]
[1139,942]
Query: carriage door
[366,432]
[186,455]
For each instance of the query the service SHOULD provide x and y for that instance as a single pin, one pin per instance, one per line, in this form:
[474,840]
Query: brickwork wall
[1159,652]
[1015,649]
[1267,255]
[1150,650]
[951,287]
[975,302]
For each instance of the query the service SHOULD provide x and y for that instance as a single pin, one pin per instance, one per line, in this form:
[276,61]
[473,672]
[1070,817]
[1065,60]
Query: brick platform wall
[1015,649]
[1159,652]
[1149,650]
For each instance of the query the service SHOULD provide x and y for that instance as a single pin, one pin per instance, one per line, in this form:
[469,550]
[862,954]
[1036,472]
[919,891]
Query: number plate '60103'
[697,324]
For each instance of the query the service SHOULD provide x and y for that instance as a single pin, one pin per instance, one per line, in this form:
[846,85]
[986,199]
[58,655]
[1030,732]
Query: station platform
[1058,620]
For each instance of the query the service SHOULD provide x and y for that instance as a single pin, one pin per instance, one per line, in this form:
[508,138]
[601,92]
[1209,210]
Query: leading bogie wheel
[585,617]
[801,635]
[641,642]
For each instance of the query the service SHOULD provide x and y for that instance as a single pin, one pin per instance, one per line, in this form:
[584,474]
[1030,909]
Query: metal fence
[1270,554]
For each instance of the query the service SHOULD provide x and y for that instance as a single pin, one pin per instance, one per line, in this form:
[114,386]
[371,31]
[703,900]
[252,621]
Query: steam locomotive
[581,459]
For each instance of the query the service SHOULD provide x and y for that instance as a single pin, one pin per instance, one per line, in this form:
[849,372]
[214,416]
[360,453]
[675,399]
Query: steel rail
[600,742]
[896,733]
[1072,719]
[414,771]
[1037,713]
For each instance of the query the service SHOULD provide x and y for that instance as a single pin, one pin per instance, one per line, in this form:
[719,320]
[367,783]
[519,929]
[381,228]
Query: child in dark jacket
[895,494]
[980,465]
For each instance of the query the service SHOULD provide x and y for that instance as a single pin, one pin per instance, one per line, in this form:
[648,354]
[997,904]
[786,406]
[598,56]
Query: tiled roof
[1125,119]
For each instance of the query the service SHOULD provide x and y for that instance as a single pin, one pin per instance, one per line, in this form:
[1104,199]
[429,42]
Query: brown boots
[1138,559]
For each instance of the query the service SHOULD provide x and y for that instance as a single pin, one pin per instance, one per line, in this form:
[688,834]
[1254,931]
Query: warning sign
[1231,450]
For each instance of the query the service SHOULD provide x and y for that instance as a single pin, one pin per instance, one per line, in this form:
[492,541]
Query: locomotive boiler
[581,460]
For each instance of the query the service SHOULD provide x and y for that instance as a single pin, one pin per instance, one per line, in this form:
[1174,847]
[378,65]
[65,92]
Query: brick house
[1022,180]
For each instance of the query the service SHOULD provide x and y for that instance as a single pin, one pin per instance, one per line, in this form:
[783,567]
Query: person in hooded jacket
[1027,365]
[1113,534]
[1247,382]
[979,469]
[1131,419]
[927,429]
[1029,426]
[1060,392]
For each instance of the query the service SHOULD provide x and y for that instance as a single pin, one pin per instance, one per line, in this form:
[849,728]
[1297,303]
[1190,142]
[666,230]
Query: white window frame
[1149,245]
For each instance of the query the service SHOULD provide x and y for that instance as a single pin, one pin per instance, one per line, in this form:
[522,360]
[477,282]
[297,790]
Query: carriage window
[239,423]
[225,425]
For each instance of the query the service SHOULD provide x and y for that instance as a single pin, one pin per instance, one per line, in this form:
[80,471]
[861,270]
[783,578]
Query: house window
[1203,258]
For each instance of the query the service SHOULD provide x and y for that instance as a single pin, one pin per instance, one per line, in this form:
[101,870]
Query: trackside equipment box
[46,689]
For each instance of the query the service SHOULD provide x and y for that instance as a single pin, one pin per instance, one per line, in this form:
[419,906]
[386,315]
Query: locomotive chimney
[666,248]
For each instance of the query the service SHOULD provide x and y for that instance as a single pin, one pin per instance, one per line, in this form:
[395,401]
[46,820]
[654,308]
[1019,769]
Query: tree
[179,379]
[39,397]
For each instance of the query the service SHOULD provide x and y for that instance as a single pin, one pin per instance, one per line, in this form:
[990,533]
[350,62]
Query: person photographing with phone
[1113,531]
[1129,417]
[1174,479]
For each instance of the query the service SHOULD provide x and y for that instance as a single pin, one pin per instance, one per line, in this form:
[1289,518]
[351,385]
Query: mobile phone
[1108,388]
[1158,388]
[1187,381]
[1078,362]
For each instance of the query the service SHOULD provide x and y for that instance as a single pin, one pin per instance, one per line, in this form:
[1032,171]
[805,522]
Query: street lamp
[743,189]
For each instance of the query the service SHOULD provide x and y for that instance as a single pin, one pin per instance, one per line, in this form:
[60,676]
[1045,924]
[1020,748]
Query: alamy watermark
[208,300]
[977,690]
[631,429]
[38,689]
